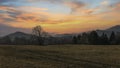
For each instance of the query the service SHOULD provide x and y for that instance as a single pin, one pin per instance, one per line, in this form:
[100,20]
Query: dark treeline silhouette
[40,37]
[93,38]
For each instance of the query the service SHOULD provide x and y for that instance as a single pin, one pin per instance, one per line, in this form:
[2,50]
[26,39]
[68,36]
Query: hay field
[60,56]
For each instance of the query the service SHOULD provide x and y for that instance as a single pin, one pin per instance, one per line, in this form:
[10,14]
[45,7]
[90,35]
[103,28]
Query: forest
[40,37]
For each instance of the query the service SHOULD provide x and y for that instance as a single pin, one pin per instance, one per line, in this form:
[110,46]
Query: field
[60,56]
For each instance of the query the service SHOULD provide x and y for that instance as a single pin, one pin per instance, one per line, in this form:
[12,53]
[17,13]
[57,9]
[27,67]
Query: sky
[58,16]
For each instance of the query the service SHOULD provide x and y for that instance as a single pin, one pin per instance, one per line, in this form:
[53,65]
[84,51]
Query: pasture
[60,56]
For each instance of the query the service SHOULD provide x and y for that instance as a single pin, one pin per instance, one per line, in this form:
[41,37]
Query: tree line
[40,37]
[93,38]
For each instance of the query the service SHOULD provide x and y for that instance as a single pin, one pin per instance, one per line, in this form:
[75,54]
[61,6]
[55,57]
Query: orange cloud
[105,3]
[60,23]
[75,5]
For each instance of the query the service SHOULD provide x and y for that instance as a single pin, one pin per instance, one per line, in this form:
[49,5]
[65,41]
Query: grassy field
[62,56]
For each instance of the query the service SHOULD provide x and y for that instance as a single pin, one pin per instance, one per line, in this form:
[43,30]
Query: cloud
[51,1]
[17,17]
[75,5]
[90,11]
[6,8]
[18,14]
[32,9]
[2,1]
[105,3]
[82,15]
[9,14]
[116,6]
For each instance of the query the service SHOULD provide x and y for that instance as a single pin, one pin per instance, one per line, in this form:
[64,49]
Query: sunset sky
[58,16]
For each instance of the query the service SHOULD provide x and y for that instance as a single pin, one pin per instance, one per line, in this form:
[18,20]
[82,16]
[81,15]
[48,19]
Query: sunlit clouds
[75,15]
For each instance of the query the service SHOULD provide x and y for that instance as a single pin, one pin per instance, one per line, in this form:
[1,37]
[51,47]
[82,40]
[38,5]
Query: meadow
[60,56]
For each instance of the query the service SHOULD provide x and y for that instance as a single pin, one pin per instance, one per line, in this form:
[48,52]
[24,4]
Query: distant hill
[114,28]
[18,35]
[51,38]
[108,31]
[5,30]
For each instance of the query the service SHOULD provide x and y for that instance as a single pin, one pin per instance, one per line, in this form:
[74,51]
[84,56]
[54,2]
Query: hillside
[108,31]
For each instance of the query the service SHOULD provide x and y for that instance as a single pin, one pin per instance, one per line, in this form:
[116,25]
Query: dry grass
[62,56]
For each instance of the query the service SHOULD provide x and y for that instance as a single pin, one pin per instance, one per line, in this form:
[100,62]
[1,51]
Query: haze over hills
[5,30]
[19,35]
[114,28]
[108,31]
[25,38]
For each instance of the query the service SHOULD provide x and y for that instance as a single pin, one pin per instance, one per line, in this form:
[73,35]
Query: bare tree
[38,34]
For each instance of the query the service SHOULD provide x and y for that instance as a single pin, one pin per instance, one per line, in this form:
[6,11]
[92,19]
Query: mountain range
[108,31]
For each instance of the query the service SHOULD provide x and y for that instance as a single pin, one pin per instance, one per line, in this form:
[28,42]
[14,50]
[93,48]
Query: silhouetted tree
[84,38]
[38,34]
[118,39]
[104,39]
[6,40]
[93,38]
[112,38]
[79,39]
[75,39]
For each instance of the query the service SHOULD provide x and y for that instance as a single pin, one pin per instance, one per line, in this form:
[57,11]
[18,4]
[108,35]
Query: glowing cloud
[76,15]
